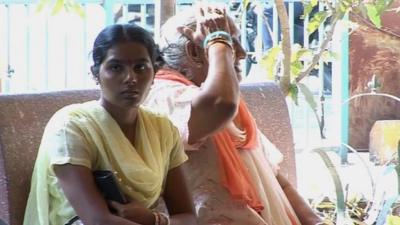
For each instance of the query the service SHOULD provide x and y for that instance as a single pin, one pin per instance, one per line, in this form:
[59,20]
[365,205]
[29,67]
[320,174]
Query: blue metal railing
[108,13]
[57,48]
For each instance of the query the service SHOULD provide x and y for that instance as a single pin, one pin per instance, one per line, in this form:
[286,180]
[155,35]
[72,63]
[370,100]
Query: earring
[96,79]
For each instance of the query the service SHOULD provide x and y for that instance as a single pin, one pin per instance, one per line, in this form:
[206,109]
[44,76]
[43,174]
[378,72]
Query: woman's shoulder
[153,114]
[71,112]
[156,117]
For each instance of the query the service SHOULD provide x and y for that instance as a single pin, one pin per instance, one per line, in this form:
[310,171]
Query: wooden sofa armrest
[22,121]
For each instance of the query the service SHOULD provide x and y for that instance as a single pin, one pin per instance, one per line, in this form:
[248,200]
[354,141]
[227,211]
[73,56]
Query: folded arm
[79,187]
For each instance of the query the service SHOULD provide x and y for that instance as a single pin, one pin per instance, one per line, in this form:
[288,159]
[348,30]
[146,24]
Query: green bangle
[215,35]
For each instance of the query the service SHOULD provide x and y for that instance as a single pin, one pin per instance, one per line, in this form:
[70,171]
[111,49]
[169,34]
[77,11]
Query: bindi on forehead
[127,61]
[131,52]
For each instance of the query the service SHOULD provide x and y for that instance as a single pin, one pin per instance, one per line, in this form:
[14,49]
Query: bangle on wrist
[221,41]
[156,218]
[161,218]
[164,219]
[217,35]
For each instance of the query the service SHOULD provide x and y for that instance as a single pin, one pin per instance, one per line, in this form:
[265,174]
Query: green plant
[289,64]
[360,210]
[57,6]
[294,66]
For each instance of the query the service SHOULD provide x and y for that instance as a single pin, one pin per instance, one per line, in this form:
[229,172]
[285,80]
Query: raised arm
[217,101]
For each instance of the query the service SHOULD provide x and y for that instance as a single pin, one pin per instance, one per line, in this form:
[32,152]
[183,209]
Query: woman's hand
[303,211]
[134,212]
[209,19]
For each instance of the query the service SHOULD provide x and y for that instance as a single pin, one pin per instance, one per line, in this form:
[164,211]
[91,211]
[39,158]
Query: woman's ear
[95,74]
[195,53]
[94,70]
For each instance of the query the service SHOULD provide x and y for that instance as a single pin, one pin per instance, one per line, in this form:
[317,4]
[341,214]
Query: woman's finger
[222,20]
[200,18]
[211,19]
[199,13]
[187,32]
[200,10]
[115,205]
[218,18]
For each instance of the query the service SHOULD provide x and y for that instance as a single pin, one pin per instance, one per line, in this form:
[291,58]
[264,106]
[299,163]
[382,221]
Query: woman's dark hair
[119,33]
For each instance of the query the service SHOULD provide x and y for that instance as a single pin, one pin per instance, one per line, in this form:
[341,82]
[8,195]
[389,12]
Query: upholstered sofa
[24,116]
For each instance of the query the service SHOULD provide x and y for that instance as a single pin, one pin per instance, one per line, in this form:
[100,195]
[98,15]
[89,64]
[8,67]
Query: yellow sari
[85,134]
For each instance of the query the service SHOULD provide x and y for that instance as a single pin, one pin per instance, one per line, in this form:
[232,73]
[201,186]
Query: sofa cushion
[24,116]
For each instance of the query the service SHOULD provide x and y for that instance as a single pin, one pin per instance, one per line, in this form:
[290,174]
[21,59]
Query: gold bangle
[222,41]
[219,40]
[215,35]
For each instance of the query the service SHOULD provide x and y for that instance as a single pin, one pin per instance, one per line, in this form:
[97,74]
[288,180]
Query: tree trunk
[286,46]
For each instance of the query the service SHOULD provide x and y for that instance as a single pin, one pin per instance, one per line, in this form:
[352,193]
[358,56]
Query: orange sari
[234,173]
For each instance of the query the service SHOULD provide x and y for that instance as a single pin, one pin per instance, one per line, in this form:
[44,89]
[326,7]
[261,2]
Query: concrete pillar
[164,9]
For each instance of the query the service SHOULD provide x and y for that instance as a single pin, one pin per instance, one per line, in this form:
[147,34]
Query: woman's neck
[125,117]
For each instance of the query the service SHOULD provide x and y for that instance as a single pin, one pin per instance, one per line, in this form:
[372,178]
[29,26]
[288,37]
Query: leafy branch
[57,5]
[291,65]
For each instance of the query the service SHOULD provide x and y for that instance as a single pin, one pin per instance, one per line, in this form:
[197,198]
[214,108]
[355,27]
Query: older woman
[199,90]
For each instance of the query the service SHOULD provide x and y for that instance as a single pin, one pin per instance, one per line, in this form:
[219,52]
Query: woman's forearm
[300,206]
[112,219]
[219,94]
[183,219]
[222,80]
[218,99]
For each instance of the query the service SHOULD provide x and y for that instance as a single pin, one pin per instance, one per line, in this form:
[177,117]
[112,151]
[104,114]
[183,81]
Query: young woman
[115,133]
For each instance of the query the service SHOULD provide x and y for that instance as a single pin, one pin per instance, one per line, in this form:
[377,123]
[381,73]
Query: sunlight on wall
[64,39]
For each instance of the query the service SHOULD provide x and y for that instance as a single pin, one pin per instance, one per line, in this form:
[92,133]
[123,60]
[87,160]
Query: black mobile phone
[108,186]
